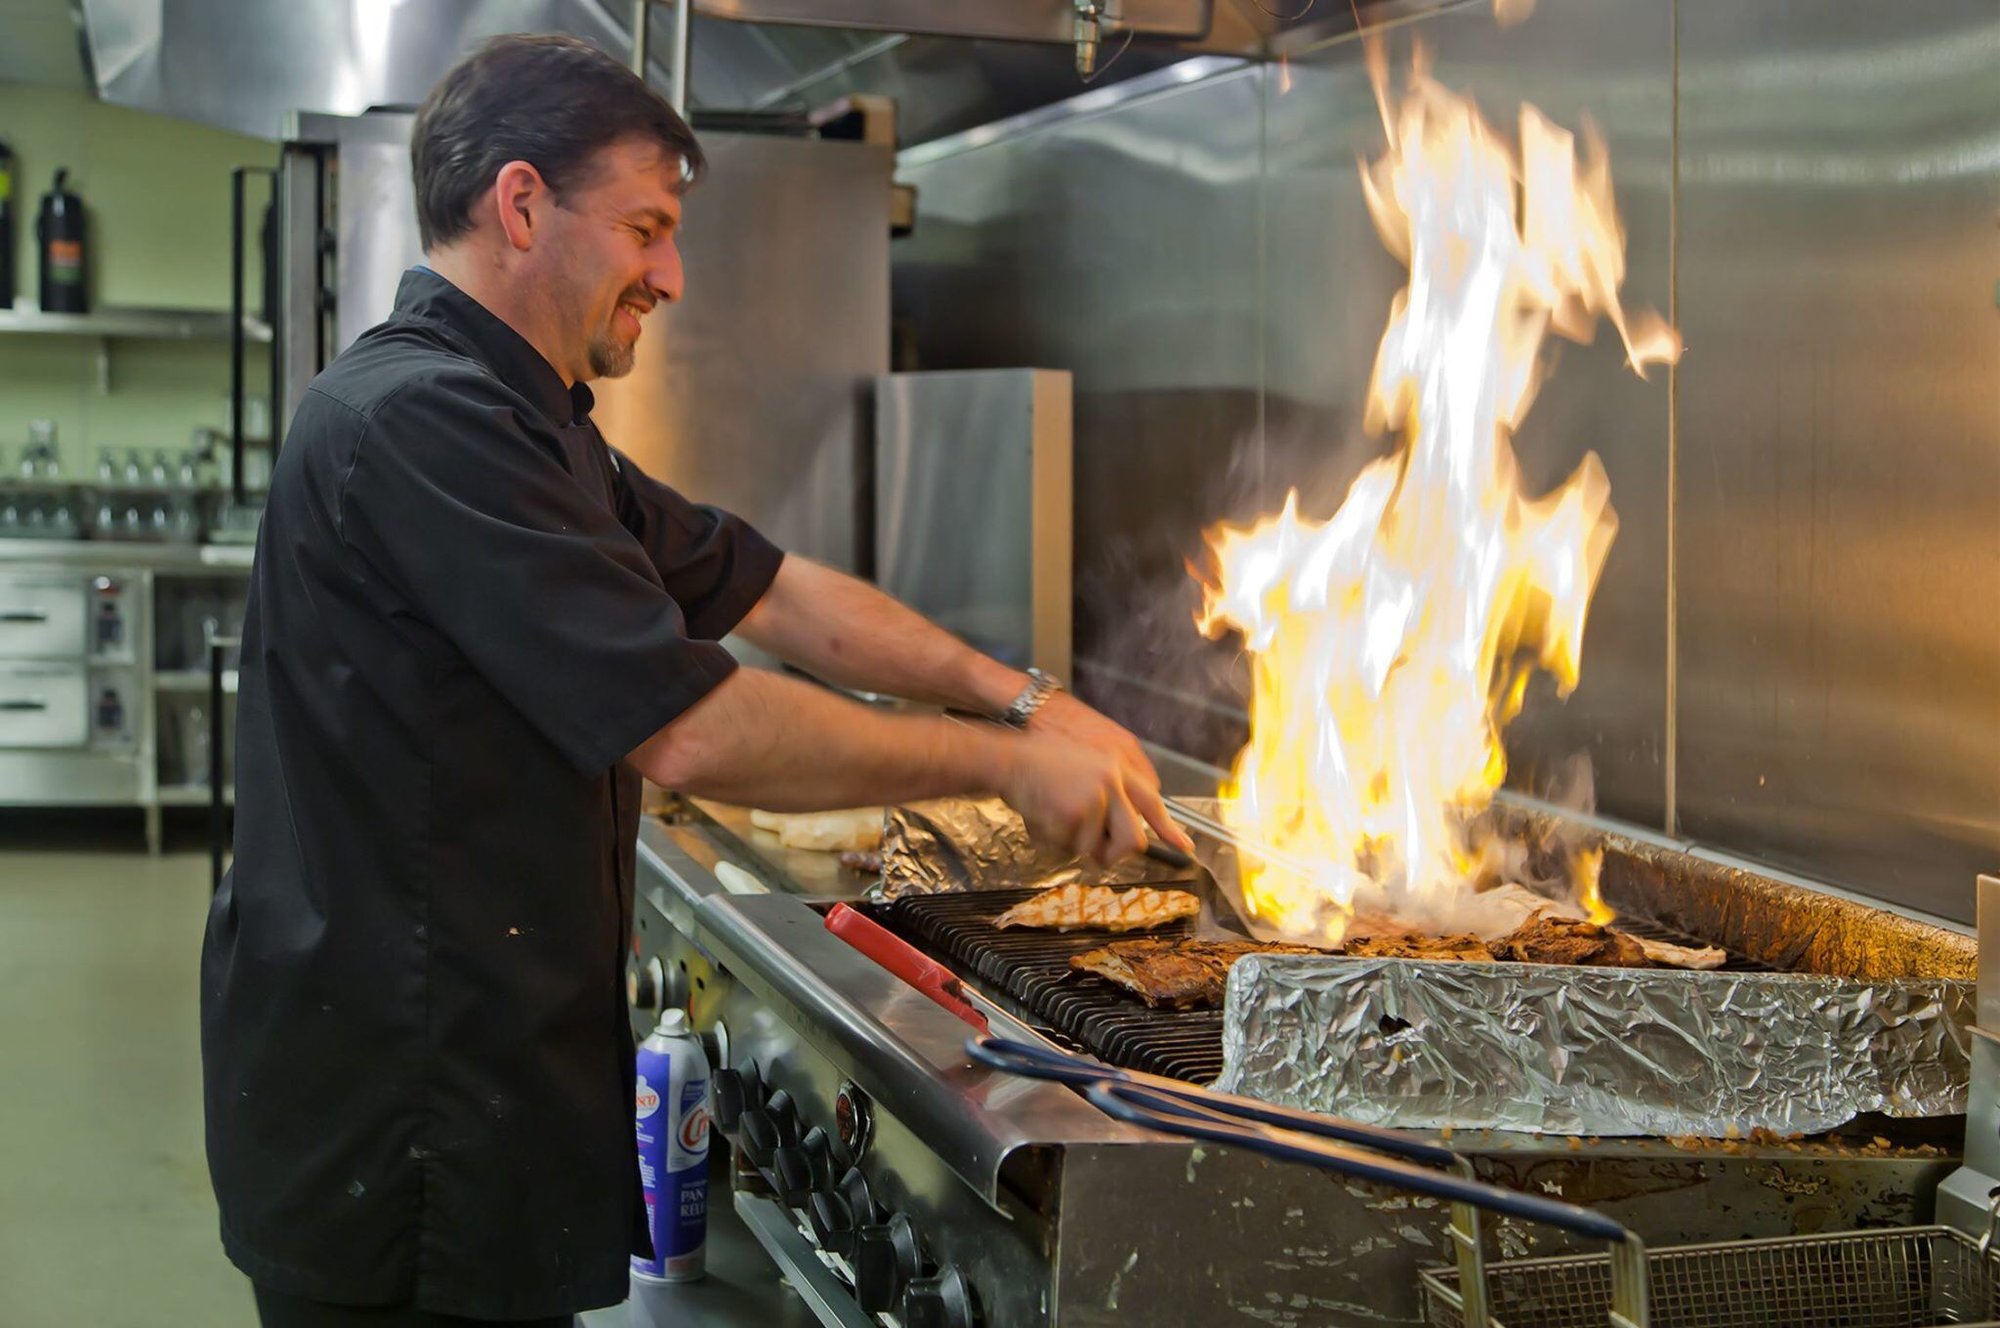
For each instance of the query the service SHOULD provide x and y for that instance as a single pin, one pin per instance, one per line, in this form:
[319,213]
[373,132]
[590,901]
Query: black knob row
[890,1272]
[885,1260]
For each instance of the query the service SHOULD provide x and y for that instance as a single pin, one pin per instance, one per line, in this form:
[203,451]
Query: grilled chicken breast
[1100,908]
[1465,947]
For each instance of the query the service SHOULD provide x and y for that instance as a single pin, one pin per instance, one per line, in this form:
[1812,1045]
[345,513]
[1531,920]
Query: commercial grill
[1086,1012]
[893,1177]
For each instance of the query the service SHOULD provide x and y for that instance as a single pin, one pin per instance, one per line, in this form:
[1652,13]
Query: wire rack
[1907,1277]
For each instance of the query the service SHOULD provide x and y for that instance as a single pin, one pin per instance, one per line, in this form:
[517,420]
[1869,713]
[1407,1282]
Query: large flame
[1391,644]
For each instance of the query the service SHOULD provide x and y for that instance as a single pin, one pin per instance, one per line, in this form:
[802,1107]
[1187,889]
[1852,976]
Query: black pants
[280,1311]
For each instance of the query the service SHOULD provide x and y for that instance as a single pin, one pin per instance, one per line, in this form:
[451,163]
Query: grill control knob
[778,1109]
[645,984]
[758,1138]
[944,1301]
[804,1167]
[853,1187]
[733,1091]
[832,1223]
[885,1259]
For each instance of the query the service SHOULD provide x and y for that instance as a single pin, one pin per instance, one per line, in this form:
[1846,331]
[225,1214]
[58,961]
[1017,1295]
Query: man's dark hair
[550,101]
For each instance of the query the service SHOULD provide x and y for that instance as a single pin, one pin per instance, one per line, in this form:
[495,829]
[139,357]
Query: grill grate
[1032,967]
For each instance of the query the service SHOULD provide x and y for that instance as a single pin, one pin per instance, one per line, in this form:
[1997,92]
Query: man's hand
[1081,781]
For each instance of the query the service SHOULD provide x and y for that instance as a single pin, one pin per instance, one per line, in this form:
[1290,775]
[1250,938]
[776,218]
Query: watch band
[1041,686]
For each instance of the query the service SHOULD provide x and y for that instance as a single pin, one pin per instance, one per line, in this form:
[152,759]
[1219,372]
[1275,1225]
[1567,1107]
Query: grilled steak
[1176,974]
[1468,948]
[1100,908]
[1545,939]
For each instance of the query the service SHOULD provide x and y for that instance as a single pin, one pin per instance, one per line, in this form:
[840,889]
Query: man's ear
[518,191]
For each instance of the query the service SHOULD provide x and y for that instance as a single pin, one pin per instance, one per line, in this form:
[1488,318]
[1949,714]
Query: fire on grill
[1391,644]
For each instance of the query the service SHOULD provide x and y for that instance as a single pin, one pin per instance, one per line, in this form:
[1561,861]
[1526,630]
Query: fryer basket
[1906,1277]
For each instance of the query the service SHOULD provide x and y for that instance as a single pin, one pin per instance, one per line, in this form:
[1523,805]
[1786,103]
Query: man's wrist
[990,686]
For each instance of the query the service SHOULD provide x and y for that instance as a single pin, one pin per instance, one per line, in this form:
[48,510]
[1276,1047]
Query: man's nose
[664,278]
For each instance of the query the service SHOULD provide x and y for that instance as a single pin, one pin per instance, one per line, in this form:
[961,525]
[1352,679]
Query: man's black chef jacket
[465,612]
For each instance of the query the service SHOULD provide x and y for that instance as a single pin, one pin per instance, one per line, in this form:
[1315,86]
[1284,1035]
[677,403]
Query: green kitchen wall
[157,195]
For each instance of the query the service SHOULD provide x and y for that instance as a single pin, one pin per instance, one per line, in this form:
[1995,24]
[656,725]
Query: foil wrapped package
[1829,1008]
[982,844]
[1591,1051]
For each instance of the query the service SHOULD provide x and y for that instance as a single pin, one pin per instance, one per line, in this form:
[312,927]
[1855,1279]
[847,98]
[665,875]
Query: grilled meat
[1547,939]
[1464,947]
[1176,974]
[1668,955]
[1077,907]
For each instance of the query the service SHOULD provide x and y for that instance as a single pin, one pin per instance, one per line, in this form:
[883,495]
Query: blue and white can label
[672,1108]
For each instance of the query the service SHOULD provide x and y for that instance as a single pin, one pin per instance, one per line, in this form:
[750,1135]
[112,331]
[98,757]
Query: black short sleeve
[458,496]
[715,565]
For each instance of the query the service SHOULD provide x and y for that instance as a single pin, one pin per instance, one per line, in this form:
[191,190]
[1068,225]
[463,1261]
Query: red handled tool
[907,962]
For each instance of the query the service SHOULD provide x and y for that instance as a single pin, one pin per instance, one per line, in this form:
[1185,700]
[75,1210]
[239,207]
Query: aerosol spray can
[673,1111]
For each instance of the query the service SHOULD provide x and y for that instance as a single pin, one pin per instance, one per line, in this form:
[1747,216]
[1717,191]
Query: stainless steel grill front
[1905,1277]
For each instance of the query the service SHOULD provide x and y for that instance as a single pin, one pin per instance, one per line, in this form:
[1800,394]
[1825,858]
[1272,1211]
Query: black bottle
[110,714]
[60,243]
[6,227]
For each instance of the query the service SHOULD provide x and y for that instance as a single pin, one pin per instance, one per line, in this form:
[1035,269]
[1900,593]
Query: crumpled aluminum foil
[982,844]
[1591,1051]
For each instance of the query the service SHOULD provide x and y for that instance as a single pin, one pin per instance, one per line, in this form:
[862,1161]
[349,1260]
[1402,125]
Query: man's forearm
[847,632]
[786,745]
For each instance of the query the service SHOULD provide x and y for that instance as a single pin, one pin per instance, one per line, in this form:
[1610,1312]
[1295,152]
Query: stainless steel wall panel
[973,504]
[1840,440]
[1120,244]
[751,393]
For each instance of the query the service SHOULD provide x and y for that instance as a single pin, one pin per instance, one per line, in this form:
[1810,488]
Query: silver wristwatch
[1041,686]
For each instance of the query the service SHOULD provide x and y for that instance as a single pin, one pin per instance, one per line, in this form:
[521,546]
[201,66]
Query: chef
[472,627]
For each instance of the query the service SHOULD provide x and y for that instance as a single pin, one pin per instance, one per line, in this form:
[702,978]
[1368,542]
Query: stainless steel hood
[246,64]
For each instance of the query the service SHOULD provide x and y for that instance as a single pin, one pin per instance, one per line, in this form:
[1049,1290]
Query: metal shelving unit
[108,325]
[131,324]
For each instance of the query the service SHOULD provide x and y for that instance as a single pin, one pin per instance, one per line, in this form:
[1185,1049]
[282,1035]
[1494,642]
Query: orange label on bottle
[66,257]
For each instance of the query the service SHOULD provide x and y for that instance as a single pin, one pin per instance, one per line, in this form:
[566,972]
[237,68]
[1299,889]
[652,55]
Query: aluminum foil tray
[1872,1016]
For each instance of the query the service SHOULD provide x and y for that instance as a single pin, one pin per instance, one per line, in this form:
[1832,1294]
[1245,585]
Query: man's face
[613,255]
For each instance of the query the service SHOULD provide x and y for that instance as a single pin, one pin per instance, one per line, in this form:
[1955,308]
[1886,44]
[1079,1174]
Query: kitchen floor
[106,1218]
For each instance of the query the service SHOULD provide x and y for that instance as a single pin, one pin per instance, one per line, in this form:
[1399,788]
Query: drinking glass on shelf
[194,744]
[107,465]
[182,525]
[135,469]
[187,472]
[160,472]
